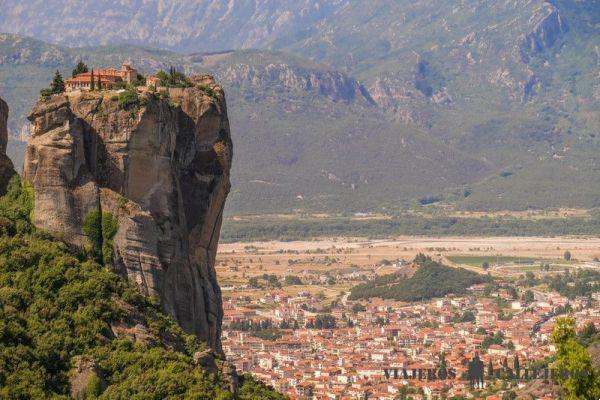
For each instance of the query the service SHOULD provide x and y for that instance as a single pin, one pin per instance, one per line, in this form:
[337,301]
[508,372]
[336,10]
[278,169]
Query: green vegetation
[496,338]
[357,307]
[251,390]
[56,305]
[583,282]
[262,329]
[588,335]
[584,380]
[292,280]
[432,279]
[476,261]
[322,321]
[45,94]
[80,68]
[467,316]
[140,80]
[100,230]
[273,228]
[268,280]
[57,86]
[110,226]
[129,100]
[92,228]
[497,143]
[173,78]
[210,92]
[92,81]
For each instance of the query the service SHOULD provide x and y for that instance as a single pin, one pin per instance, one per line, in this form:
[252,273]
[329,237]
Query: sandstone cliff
[144,186]
[6,167]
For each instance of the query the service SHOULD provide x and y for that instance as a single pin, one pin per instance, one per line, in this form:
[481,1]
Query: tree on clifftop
[92,84]
[58,85]
[80,68]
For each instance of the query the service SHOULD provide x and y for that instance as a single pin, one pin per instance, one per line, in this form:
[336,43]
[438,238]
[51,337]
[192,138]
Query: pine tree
[516,363]
[58,85]
[80,68]
[490,370]
[92,84]
[443,366]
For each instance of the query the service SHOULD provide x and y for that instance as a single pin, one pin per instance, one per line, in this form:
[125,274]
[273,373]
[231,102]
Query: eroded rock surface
[332,84]
[159,171]
[86,379]
[544,34]
[6,166]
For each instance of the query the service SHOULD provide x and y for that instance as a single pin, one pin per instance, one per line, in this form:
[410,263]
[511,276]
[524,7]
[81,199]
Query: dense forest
[59,307]
[431,279]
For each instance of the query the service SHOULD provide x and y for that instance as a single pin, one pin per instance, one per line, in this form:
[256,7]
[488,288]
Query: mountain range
[346,106]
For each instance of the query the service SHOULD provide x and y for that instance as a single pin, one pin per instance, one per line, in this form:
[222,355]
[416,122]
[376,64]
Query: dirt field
[237,262]
[366,251]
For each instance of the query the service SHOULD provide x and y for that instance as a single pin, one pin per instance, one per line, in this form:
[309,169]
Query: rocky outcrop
[6,166]
[154,177]
[332,84]
[86,379]
[551,27]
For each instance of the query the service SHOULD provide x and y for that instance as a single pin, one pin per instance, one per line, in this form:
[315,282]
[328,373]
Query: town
[319,344]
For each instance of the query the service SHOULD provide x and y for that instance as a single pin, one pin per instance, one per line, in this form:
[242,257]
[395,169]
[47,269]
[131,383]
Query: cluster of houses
[348,362]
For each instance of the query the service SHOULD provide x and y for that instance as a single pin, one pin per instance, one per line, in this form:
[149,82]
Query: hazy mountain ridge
[188,25]
[298,145]
[332,84]
[499,101]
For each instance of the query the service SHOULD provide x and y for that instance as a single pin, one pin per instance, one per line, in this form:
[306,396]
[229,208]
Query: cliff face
[6,167]
[544,34]
[332,84]
[157,172]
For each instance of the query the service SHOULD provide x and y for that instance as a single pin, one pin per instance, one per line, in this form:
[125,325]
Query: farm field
[315,261]
[477,261]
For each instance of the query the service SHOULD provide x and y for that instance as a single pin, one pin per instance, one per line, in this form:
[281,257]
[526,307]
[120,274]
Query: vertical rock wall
[159,172]
[6,166]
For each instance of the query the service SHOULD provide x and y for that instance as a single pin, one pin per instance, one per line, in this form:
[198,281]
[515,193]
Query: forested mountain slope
[71,328]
